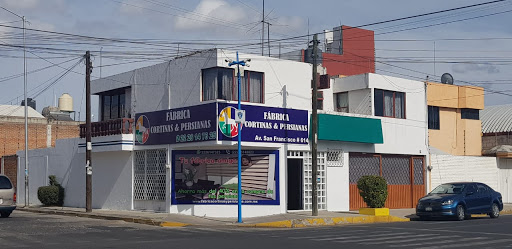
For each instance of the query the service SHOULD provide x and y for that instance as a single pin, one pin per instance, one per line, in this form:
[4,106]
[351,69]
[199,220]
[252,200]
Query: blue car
[460,200]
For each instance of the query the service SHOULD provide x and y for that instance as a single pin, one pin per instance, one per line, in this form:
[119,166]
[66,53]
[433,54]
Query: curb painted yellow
[506,211]
[173,224]
[298,223]
[374,211]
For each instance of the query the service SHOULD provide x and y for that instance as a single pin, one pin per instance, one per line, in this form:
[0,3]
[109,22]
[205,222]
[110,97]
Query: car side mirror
[469,193]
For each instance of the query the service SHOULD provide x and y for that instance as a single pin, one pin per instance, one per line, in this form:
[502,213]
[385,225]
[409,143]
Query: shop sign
[264,124]
[181,125]
[211,177]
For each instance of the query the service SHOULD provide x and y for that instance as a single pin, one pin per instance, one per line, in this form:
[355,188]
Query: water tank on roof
[31,103]
[66,103]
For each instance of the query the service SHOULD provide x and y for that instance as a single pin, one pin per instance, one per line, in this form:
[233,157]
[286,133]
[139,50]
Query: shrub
[374,190]
[52,195]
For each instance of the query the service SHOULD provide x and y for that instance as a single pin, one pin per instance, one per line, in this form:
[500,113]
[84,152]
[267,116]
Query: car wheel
[461,212]
[5,214]
[495,211]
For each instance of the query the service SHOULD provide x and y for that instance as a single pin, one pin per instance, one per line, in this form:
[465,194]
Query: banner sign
[264,124]
[211,177]
[218,121]
[181,125]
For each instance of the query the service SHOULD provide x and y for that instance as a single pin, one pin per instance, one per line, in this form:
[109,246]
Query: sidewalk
[288,220]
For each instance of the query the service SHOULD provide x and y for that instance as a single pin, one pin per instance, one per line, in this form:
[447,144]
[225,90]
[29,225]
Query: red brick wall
[12,135]
[11,168]
[358,53]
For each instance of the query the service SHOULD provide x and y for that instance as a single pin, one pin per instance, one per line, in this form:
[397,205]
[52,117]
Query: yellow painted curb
[173,224]
[506,211]
[298,223]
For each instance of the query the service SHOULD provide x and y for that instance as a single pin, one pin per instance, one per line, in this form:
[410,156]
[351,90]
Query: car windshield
[448,189]
[5,183]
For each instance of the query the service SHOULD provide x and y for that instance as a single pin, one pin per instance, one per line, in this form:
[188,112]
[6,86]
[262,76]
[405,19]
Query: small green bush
[52,195]
[374,190]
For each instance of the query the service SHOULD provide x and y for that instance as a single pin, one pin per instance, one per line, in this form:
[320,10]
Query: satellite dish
[447,78]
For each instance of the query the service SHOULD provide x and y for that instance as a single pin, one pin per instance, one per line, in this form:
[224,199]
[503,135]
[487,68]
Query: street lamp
[26,106]
[239,63]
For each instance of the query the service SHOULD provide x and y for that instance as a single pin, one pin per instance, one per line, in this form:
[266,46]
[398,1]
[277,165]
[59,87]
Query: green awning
[349,129]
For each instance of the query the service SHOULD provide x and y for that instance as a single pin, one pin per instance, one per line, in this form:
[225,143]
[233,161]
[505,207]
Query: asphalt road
[29,230]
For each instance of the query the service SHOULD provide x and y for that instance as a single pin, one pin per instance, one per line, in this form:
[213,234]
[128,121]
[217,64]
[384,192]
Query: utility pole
[268,37]
[314,132]
[88,151]
[27,202]
[239,63]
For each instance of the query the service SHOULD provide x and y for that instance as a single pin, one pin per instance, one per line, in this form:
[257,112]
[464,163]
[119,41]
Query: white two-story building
[167,139]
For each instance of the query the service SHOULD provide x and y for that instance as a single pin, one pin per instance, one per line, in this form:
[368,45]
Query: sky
[472,44]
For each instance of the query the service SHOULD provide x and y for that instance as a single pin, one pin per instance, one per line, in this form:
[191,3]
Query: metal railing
[109,127]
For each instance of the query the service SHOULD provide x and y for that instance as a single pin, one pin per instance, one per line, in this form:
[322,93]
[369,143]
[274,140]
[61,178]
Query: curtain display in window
[399,105]
[389,104]
[226,77]
[209,84]
[342,102]
[256,87]
[220,83]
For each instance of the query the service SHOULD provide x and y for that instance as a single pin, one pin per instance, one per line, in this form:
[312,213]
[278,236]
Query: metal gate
[404,175]
[149,179]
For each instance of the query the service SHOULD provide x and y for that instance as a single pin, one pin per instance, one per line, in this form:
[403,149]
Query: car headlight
[447,202]
[419,205]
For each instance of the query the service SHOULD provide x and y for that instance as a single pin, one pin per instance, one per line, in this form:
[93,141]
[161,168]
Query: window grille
[150,175]
[335,158]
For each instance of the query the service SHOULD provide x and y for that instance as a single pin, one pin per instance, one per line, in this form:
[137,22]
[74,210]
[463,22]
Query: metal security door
[149,179]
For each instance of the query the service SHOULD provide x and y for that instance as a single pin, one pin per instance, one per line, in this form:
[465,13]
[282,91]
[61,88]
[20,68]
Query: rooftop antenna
[263,28]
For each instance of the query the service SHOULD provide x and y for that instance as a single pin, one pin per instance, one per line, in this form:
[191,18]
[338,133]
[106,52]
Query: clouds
[209,13]
[24,4]
[476,68]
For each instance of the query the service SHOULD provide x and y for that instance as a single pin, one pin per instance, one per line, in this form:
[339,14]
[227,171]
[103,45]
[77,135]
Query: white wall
[296,76]
[505,179]
[112,175]
[448,168]
[337,186]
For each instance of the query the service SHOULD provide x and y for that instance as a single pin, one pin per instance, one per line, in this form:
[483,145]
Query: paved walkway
[291,219]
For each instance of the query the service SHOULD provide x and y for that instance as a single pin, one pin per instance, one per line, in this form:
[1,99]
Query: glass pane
[122,109]
[106,108]
[209,84]
[342,102]
[379,102]
[5,183]
[114,107]
[388,104]
[256,87]
[245,88]
[226,79]
[399,105]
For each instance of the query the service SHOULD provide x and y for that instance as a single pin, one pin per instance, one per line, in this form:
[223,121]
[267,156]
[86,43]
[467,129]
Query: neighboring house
[497,142]
[346,51]
[42,134]
[177,160]
[454,125]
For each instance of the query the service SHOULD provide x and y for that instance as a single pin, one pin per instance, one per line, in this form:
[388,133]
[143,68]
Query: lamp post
[239,127]
[26,105]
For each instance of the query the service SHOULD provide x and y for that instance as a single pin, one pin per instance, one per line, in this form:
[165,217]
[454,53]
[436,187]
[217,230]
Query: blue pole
[239,149]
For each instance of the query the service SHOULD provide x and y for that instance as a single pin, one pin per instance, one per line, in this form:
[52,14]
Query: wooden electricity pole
[88,150]
[314,131]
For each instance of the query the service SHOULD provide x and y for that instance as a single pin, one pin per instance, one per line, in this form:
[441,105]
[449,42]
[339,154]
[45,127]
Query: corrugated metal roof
[497,118]
[18,111]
